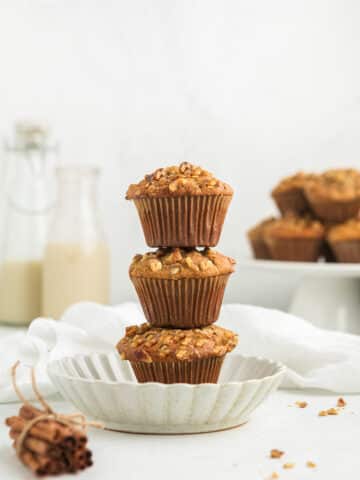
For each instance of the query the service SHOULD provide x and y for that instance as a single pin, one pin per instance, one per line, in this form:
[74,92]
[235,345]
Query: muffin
[176,356]
[298,239]
[344,240]
[289,194]
[181,206]
[181,287]
[256,239]
[335,195]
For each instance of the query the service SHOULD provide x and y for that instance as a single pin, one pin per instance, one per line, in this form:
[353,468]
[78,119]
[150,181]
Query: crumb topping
[293,226]
[150,344]
[176,263]
[336,184]
[183,179]
[349,230]
[291,182]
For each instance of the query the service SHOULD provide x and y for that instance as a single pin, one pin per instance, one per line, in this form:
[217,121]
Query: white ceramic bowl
[104,388]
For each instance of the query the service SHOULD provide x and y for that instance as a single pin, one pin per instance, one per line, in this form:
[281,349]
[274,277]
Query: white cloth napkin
[315,358]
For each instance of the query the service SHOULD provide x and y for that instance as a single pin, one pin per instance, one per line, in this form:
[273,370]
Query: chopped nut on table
[275,453]
[341,403]
[273,476]
[288,465]
[301,404]
[310,464]
[329,411]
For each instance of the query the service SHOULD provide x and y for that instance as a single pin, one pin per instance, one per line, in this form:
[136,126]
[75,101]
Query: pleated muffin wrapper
[202,370]
[332,210]
[260,249]
[295,249]
[183,221]
[346,251]
[181,303]
[292,201]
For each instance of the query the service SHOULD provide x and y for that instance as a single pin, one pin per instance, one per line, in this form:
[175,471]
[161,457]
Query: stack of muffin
[320,219]
[180,285]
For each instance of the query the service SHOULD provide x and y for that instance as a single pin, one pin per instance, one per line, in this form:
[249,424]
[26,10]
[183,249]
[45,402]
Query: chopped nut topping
[174,270]
[301,404]
[151,344]
[288,465]
[182,262]
[341,403]
[310,464]
[185,179]
[155,265]
[275,453]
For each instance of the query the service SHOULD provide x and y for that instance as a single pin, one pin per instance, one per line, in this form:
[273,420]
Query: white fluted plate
[104,388]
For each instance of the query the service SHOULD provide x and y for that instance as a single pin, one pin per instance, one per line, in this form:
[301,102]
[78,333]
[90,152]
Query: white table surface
[243,454]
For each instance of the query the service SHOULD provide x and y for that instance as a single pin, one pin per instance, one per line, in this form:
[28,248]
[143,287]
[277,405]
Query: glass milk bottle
[76,262]
[28,198]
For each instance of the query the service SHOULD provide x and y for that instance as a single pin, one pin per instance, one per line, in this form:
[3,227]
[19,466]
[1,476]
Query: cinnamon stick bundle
[48,444]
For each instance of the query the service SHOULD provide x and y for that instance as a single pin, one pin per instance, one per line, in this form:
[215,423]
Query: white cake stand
[328,294]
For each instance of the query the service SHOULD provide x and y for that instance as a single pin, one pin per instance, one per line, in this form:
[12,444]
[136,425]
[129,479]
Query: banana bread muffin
[289,194]
[181,287]
[344,240]
[176,356]
[335,195]
[295,239]
[256,239]
[181,206]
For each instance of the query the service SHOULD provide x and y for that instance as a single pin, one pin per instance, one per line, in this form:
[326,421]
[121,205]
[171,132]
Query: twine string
[77,420]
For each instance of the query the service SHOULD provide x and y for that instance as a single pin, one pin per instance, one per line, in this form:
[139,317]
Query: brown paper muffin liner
[183,303]
[328,253]
[183,221]
[202,370]
[292,201]
[347,251]
[334,211]
[260,249]
[295,249]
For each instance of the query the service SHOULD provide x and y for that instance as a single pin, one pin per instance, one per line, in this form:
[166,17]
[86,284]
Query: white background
[251,90]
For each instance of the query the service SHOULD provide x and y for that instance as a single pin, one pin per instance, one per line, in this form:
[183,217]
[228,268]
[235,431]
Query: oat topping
[150,344]
[175,263]
[275,453]
[183,179]
[301,404]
